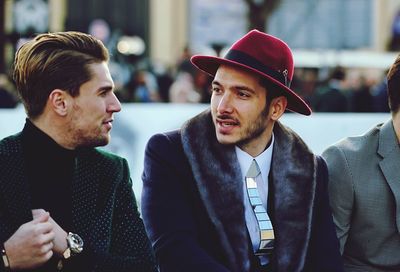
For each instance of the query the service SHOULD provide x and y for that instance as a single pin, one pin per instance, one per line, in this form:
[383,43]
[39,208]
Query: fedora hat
[264,55]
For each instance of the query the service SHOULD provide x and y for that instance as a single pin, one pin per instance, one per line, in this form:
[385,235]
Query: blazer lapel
[390,164]
[84,192]
[14,187]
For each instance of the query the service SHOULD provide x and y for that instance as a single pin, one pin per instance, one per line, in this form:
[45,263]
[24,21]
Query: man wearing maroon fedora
[234,189]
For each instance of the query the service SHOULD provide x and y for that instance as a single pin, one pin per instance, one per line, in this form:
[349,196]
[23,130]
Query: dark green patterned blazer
[104,209]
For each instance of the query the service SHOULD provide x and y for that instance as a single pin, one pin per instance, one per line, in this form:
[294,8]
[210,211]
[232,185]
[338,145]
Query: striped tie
[253,182]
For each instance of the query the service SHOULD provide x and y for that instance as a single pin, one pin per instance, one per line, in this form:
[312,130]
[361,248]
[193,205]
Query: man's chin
[103,141]
[226,139]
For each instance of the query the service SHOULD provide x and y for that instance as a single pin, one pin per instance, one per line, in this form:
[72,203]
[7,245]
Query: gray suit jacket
[364,191]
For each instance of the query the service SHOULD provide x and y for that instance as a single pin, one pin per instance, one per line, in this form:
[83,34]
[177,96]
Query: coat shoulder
[108,158]
[366,142]
[167,143]
[10,145]
[173,136]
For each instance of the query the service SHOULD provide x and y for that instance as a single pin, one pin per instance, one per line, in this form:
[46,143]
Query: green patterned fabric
[104,209]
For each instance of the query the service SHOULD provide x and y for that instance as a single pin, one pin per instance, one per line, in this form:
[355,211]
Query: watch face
[75,243]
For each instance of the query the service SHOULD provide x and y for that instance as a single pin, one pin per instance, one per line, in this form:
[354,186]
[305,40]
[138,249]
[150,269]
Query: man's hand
[60,240]
[31,245]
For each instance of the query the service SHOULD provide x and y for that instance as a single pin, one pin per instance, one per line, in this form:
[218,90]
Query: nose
[114,105]
[225,103]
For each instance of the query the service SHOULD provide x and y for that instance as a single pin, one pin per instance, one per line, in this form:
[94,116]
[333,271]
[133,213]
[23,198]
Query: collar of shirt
[263,161]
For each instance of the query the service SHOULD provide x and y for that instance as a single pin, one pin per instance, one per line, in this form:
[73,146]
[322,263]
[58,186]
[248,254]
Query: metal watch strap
[67,253]
[5,261]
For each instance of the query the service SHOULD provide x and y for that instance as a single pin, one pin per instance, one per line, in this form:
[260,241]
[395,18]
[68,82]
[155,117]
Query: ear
[277,107]
[58,100]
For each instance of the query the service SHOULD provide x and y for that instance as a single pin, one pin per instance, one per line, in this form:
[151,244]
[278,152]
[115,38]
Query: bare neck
[257,145]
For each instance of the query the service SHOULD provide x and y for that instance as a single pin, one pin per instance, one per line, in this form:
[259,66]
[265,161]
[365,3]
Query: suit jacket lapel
[84,192]
[14,186]
[390,164]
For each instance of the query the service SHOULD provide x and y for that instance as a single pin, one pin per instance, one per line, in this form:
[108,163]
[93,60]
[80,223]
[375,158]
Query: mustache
[226,117]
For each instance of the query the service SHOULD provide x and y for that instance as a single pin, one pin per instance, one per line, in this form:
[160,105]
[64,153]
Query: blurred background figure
[360,97]
[8,97]
[332,96]
[145,87]
[379,94]
[395,41]
[183,90]
[184,64]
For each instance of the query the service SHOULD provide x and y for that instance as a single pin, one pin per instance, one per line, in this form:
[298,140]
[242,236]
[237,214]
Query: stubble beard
[255,130]
[86,137]
[83,139]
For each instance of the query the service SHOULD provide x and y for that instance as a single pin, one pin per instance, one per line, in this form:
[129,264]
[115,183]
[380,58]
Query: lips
[225,124]
[108,123]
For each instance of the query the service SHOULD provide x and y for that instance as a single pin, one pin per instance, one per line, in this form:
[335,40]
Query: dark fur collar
[218,177]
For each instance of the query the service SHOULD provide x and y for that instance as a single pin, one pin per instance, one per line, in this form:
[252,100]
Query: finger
[42,228]
[47,256]
[47,237]
[44,217]
[43,249]
[43,239]
[37,212]
[46,248]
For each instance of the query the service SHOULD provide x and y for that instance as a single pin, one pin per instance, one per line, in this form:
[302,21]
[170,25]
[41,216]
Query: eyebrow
[236,87]
[105,89]
[244,88]
[214,82]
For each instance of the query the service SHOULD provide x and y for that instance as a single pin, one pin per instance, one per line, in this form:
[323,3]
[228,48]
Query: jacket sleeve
[324,254]
[129,248]
[4,232]
[167,211]
[341,191]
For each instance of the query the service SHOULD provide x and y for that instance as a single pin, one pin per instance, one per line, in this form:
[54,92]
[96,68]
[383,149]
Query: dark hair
[338,73]
[271,90]
[393,78]
[54,61]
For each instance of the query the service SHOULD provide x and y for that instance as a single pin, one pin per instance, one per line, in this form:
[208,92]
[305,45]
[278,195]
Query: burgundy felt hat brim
[210,65]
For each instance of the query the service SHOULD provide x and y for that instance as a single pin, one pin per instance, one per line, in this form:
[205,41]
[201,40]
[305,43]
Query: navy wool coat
[192,204]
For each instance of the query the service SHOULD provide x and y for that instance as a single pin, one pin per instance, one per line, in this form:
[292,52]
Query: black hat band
[243,58]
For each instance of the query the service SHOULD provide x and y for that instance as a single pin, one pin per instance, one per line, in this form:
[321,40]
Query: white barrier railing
[135,124]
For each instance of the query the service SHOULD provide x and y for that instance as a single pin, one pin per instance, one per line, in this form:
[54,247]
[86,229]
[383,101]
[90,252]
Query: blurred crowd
[343,90]
[336,89]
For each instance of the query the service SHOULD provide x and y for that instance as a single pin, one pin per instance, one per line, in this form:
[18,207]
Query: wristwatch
[75,245]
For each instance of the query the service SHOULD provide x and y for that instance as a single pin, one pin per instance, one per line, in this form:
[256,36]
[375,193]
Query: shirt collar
[263,160]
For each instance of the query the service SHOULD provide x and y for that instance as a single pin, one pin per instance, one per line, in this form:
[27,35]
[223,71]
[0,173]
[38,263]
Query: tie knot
[254,170]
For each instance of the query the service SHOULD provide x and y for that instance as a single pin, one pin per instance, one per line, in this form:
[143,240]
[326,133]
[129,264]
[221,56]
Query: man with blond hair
[65,205]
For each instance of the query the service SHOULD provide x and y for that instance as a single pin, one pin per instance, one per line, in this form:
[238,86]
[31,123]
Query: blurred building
[168,26]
